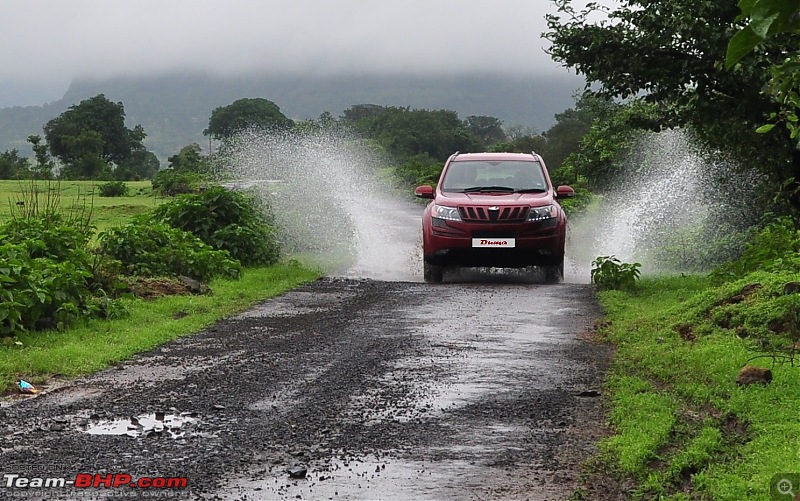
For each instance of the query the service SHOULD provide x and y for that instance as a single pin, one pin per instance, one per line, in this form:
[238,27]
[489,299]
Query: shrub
[170,183]
[48,276]
[608,272]
[775,248]
[113,189]
[226,220]
[150,248]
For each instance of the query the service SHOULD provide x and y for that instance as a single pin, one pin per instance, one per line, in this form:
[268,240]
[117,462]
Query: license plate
[500,243]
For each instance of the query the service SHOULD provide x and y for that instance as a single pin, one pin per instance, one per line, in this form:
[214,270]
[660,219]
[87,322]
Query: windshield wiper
[487,189]
[532,190]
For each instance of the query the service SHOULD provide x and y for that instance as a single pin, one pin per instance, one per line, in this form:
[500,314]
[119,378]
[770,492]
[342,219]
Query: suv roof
[494,156]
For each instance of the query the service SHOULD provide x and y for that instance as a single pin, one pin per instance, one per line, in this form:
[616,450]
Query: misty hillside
[175,109]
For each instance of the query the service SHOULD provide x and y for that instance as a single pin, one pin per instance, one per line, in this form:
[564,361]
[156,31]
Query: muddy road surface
[362,389]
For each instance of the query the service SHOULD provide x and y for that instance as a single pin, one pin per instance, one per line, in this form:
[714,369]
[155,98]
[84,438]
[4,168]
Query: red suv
[495,210]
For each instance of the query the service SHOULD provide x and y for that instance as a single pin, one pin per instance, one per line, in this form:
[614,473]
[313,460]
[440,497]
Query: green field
[106,211]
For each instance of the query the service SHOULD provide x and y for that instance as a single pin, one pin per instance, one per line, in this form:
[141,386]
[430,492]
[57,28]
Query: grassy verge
[683,428]
[96,344]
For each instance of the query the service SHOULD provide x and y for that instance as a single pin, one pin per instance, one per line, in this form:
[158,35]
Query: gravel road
[474,389]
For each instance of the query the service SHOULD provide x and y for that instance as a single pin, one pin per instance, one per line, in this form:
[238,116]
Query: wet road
[378,390]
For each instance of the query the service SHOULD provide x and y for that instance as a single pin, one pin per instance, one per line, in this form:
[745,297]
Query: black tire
[432,273]
[554,274]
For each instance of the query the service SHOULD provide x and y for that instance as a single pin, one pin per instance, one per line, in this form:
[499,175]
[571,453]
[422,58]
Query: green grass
[96,344]
[683,428]
[106,211]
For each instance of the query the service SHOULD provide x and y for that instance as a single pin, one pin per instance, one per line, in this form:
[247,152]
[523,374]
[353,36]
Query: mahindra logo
[494,207]
[494,242]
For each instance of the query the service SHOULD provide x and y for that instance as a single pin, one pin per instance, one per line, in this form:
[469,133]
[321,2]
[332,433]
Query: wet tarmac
[470,389]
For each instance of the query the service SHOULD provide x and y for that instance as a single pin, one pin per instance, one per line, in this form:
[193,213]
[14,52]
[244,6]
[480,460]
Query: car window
[519,175]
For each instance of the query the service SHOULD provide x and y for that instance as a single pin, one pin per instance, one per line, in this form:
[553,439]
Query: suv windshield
[501,175]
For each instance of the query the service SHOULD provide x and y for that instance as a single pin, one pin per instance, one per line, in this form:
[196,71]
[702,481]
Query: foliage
[770,18]
[150,248]
[226,220]
[113,189]
[44,164]
[169,182]
[407,133]
[189,159]
[245,113]
[12,166]
[489,130]
[609,273]
[671,53]
[140,165]
[776,248]
[419,170]
[93,128]
[49,277]
[607,144]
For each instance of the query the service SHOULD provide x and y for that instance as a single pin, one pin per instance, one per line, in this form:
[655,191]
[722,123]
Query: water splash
[672,199]
[325,192]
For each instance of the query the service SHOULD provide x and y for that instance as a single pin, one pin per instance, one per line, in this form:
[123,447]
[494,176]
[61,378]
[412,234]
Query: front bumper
[449,243]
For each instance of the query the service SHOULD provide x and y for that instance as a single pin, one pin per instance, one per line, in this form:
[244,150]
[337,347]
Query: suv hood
[449,198]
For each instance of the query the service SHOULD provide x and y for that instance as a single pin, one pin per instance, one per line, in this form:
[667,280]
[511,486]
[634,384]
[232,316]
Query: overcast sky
[44,44]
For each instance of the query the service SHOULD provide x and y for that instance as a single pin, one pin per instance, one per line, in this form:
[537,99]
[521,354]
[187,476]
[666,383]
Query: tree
[95,126]
[142,164]
[189,159]
[245,113]
[488,129]
[44,164]
[407,133]
[672,53]
[771,18]
[12,166]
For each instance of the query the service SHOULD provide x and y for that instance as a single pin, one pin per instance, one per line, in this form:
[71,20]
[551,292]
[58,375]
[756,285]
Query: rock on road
[371,389]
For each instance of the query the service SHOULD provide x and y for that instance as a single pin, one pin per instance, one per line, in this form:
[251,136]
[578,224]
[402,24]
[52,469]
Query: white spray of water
[323,189]
[655,214]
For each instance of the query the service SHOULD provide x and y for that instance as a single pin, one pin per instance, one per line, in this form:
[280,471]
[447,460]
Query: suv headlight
[444,212]
[542,213]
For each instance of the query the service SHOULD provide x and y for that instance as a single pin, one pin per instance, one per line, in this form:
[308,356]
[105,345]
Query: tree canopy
[672,53]
[94,127]
[245,113]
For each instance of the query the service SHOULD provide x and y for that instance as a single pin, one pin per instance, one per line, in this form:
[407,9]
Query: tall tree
[245,113]
[95,126]
[13,166]
[488,129]
[672,53]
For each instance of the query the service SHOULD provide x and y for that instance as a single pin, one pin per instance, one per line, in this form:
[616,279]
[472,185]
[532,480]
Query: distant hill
[174,109]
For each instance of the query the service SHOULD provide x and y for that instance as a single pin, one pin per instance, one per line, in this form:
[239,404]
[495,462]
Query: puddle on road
[155,424]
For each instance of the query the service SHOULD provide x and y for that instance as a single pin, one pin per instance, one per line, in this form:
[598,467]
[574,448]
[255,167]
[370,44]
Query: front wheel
[432,273]
[554,274]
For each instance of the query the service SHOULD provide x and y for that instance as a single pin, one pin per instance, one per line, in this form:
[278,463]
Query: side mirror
[565,192]
[424,191]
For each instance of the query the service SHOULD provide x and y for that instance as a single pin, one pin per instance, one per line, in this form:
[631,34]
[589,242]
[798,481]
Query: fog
[45,44]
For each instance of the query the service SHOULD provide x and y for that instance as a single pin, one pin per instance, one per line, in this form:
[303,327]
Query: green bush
[113,189]
[150,248]
[48,276]
[608,272]
[170,182]
[226,220]
[776,248]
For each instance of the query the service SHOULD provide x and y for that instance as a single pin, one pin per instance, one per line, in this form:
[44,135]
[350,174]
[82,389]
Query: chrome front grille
[493,214]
